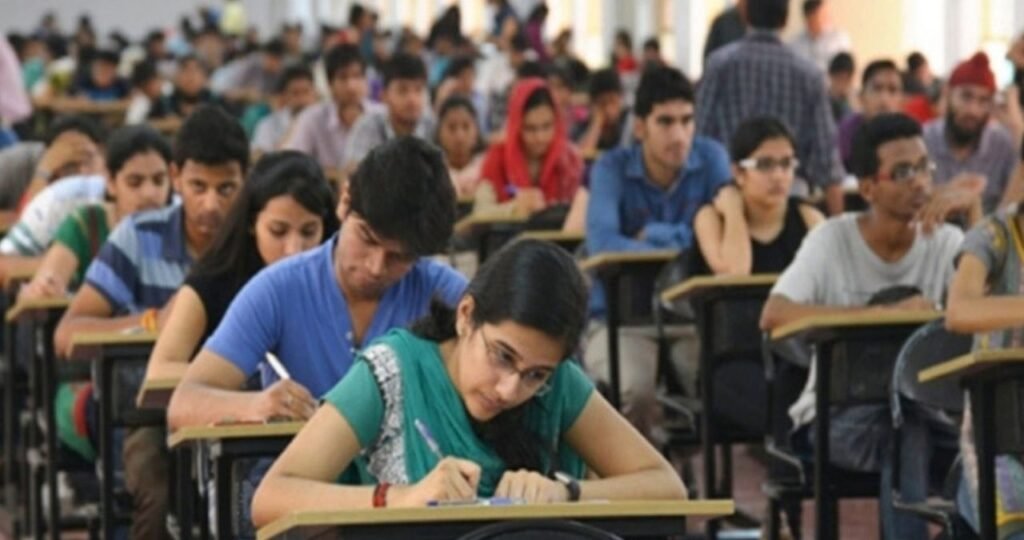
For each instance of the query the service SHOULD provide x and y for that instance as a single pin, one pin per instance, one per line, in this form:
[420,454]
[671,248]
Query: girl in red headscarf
[535,165]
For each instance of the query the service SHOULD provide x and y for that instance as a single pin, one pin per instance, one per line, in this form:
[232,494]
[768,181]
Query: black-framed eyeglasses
[530,380]
[905,172]
[768,164]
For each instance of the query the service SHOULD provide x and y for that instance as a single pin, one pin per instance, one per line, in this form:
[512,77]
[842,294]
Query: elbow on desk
[959,318]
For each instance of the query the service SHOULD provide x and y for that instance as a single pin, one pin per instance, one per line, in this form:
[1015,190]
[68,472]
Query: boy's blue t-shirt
[296,310]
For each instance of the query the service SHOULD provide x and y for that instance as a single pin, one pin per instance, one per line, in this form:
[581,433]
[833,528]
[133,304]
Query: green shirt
[83,232]
[401,377]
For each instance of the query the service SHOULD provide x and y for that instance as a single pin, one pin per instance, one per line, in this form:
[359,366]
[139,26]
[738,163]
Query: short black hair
[404,66]
[79,124]
[652,44]
[355,13]
[458,65]
[873,134]
[810,6]
[130,141]
[188,58]
[274,47]
[340,57]
[291,73]
[767,14]
[876,67]
[211,136]
[623,35]
[753,132]
[143,72]
[154,36]
[107,55]
[915,60]
[531,70]
[403,191]
[658,85]
[519,43]
[841,64]
[604,81]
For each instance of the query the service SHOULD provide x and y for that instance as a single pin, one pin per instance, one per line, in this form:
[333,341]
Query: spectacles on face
[905,172]
[768,164]
[531,380]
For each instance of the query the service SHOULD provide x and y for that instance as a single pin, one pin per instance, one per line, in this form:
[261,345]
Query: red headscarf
[506,161]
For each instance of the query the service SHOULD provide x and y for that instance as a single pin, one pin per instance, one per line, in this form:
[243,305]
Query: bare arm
[811,215]
[179,335]
[576,220]
[834,199]
[779,311]
[210,392]
[724,241]
[89,312]
[54,274]
[1014,188]
[627,465]
[970,310]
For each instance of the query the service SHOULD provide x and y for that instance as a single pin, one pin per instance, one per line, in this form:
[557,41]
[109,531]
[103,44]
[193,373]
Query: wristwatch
[570,483]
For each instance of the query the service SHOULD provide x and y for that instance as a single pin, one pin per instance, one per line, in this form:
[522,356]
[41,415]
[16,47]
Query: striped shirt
[144,261]
[39,221]
[759,75]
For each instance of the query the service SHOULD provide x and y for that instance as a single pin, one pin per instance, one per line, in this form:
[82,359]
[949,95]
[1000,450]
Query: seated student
[405,109]
[295,92]
[137,164]
[190,90]
[315,310]
[102,83]
[754,226]
[38,221]
[536,166]
[900,240]
[146,257]
[460,80]
[323,129]
[644,197]
[71,147]
[147,89]
[458,135]
[881,92]
[606,127]
[985,298]
[285,207]
[492,383]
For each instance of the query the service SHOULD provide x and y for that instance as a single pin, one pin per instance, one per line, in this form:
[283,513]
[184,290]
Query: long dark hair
[532,283]
[233,253]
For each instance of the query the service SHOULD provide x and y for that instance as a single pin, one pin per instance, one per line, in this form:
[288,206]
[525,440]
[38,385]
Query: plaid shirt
[759,75]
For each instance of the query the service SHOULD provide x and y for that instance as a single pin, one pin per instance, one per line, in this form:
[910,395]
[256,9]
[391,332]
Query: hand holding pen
[452,479]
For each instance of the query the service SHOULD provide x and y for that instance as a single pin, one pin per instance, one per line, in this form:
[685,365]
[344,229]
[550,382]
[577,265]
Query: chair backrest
[930,345]
[537,530]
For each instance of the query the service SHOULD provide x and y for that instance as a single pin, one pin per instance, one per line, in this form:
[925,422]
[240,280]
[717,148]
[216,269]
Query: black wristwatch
[570,483]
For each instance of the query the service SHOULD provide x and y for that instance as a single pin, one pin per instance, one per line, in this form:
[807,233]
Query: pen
[428,438]
[278,368]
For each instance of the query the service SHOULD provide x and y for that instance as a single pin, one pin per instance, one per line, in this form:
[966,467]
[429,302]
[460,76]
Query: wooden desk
[855,354]
[628,519]
[37,320]
[610,268]
[995,380]
[490,229]
[727,312]
[567,240]
[156,393]
[115,357]
[220,446]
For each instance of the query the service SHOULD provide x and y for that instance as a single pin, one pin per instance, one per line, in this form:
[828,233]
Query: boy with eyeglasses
[900,240]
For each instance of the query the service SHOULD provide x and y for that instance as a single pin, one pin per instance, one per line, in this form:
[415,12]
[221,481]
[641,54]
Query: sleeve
[357,397]
[604,229]
[362,139]
[28,236]
[251,326]
[574,389]
[71,234]
[988,241]
[301,138]
[263,136]
[113,272]
[449,285]
[804,279]
[492,170]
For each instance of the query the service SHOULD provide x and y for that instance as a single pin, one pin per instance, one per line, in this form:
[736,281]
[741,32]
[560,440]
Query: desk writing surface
[698,284]
[972,363]
[233,431]
[488,217]
[83,344]
[611,258]
[155,393]
[881,317]
[391,516]
[554,236]
[24,307]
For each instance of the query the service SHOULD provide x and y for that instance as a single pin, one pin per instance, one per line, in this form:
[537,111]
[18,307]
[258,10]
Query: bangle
[148,321]
[380,495]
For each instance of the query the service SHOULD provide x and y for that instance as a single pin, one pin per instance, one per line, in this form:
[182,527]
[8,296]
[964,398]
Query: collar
[764,35]
[636,170]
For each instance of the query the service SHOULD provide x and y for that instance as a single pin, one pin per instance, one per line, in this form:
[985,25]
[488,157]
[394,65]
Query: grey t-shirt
[995,158]
[835,267]
[374,129]
[993,242]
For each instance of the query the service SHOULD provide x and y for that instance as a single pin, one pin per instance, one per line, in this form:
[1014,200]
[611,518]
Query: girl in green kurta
[137,161]
[491,383]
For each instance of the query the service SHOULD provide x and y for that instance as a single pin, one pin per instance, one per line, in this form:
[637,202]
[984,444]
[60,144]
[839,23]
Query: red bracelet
[380,495]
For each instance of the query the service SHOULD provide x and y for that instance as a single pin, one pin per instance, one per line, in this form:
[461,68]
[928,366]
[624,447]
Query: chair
[930,345]
[540,530]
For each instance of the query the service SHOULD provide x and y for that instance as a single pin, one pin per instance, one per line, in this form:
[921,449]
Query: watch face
[562,477]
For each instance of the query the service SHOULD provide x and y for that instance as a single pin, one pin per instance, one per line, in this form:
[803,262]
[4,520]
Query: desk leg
[49,387]
[33,445]
[983,416]
[224,482]
[10,415]
[825,505]
[185,491]
[102,393]
[611,282]
[707,435]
